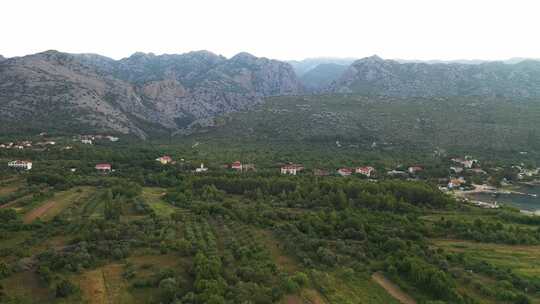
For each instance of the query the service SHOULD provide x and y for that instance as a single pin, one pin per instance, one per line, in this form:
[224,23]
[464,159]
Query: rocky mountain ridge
[138,94]
[376,76]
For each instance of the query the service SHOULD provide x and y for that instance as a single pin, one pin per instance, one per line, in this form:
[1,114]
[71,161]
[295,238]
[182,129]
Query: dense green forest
[490,126]
[153,233]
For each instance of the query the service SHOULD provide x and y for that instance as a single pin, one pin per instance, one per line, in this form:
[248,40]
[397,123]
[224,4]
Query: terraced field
[522,260]
[339,287]
[54,206]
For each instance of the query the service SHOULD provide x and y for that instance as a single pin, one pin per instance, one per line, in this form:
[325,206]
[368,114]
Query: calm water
[523,202]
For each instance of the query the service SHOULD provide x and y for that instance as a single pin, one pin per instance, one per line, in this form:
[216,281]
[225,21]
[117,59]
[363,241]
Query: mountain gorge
[141,94]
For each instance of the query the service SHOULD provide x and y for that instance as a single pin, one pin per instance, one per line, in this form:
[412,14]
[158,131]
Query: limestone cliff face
[167,92]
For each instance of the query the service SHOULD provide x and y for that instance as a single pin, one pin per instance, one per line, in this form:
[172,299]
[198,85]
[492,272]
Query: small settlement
[20,164]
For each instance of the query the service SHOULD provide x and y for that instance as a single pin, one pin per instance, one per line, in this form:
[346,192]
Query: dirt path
[56,204]
[8,205]
[38,212]
[93,287]
[392,289]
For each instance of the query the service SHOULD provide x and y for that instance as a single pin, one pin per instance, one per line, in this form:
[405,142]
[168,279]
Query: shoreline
[486,189]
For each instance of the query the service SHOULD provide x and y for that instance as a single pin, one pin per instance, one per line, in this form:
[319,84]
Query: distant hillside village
[43,144]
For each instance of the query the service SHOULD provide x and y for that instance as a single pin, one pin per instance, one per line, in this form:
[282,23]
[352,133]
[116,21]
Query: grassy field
[26,285]
[54,206]
[105,285]
[153,196]
[523,260]
[338,287]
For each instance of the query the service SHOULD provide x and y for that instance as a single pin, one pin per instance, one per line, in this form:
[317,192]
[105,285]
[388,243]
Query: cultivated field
[54,206]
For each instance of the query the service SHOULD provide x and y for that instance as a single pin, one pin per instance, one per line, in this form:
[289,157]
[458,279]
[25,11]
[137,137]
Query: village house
[86,141]
[103,167]
[20,164]
[367,171]
[415,169]
[345,171]
[292,169]
[201,169]
[396,173]
[237,165]
[467,162]
[165,159]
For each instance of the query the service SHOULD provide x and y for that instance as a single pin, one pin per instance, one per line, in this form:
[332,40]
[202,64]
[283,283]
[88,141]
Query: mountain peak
[203,53]
[243,56]
[372,58]
[142,55]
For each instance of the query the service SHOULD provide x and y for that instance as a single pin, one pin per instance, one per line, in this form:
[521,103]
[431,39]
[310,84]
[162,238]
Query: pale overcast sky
[281,29]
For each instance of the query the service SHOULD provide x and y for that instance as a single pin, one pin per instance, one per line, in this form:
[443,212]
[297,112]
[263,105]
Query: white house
[201,169]
[20,164]
[291,169]
[345,171]
[86,141]
[367,171]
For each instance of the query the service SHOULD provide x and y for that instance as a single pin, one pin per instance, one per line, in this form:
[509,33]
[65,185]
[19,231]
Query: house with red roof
[415,169]
[103,167]
[165,159]
[237,165]
[345,171]
[292,169]
[367,171]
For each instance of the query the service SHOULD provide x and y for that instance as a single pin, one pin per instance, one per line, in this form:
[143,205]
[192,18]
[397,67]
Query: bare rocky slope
[373,75]
[142,94]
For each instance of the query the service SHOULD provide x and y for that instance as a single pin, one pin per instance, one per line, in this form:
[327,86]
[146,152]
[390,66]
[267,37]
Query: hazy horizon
[415,30]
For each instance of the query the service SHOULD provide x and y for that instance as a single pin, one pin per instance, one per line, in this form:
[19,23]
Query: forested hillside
[486,125]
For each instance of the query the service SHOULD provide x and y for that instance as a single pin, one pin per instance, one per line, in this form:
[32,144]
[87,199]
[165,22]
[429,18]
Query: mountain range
[147,94]
[376,76]
[139,94]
